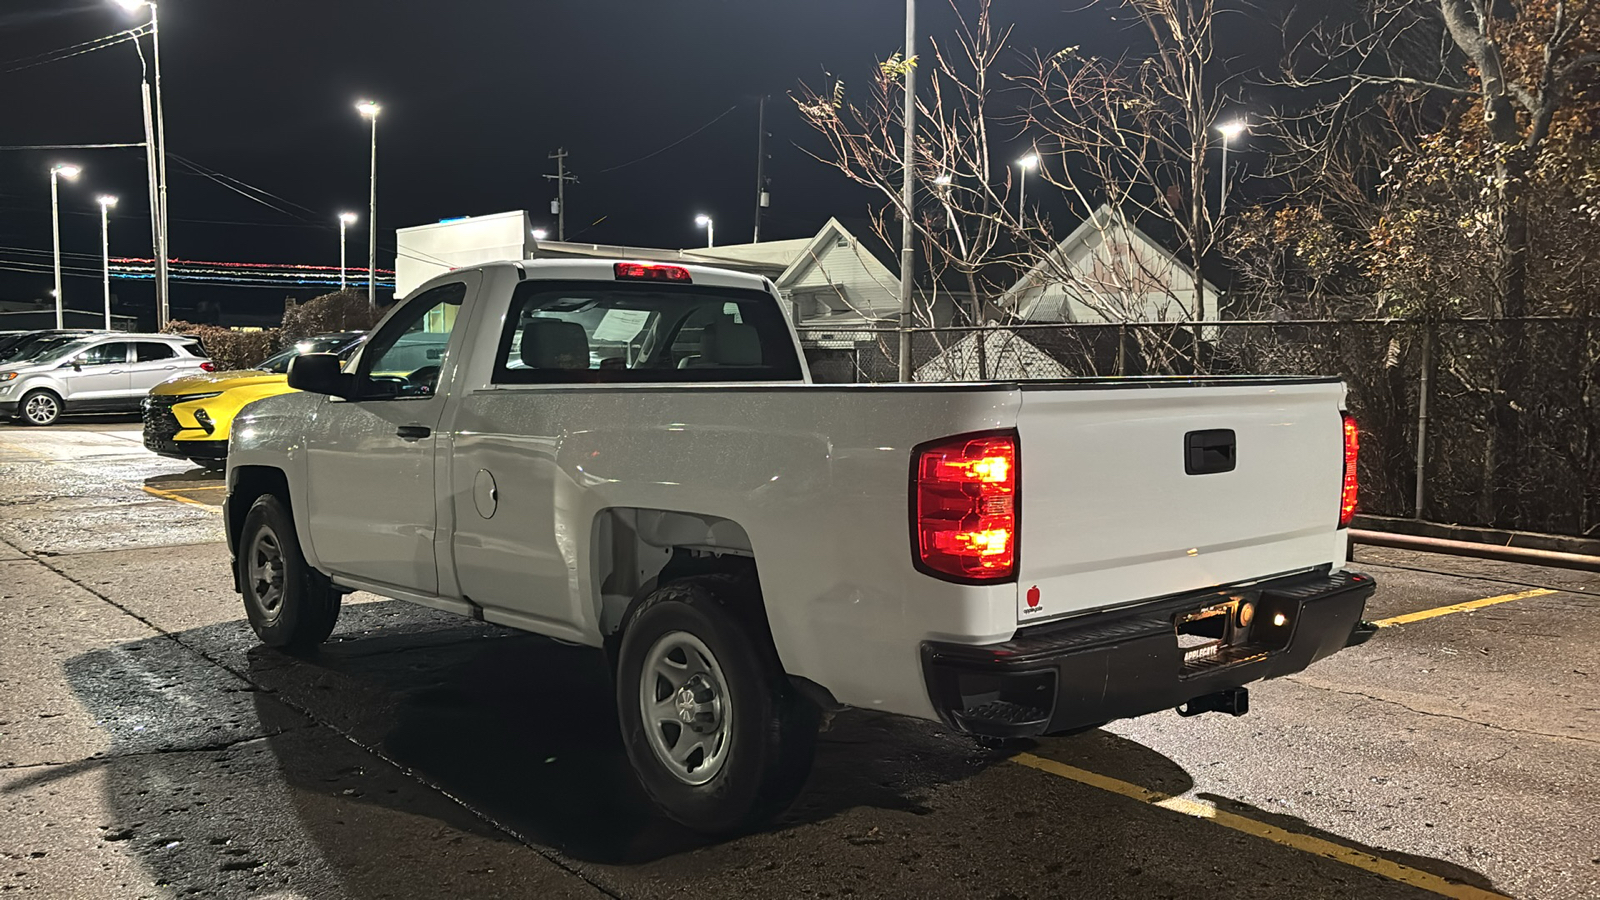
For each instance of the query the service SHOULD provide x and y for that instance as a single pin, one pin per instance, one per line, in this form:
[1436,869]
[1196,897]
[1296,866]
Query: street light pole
[163,259]
[1229,131]
[157,152]
[345,220]
[908,181]
[1025,165]
[106,202]
[705,222]
[69,172]
[370,110]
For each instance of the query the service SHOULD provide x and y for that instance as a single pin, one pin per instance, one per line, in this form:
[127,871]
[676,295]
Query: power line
[70,146]
[43,59]
[674,143]
[219,179]
[213,173]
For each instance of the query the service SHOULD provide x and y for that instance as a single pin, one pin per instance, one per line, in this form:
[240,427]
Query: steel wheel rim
[683,701]
[40,410]
[264,571]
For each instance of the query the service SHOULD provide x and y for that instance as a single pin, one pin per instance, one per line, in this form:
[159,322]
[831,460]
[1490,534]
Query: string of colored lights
[245,274]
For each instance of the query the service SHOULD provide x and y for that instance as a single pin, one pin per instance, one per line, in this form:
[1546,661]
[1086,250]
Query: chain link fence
[1492,423]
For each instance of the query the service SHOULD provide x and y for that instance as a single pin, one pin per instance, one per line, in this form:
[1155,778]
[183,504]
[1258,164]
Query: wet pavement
[150,748]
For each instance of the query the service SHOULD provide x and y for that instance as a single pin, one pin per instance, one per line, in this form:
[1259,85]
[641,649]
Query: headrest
[553,344]
[728,343]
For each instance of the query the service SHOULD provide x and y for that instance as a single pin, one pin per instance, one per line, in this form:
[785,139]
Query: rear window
[150,351]
[604,332]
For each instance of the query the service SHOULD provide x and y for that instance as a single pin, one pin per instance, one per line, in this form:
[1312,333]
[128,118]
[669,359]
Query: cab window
[406,357]
[611,332]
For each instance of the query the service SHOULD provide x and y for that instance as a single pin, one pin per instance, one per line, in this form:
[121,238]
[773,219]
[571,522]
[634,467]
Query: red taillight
[208,366]
[1352,449]
[652,272]
[964,495]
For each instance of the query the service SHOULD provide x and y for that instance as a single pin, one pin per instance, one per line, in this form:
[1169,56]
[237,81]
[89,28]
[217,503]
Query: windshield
[278,363]
[42,347]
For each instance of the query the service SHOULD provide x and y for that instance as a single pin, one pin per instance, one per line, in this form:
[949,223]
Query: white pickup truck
[630,456]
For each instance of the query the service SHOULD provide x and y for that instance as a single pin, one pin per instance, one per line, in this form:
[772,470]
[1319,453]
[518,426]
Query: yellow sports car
[190,417]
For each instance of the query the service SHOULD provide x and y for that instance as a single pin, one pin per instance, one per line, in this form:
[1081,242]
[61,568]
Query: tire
[291,606]
[689,653]
[40,407]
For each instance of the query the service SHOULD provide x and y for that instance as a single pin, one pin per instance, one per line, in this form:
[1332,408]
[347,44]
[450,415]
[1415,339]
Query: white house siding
[833,278]
[1110,273]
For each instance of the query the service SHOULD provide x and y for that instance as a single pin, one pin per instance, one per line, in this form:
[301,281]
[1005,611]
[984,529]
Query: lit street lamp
[1229,131]
[941,187]
[704,221]
[106,201]
[540,234]
[57,172]
[1025,165]
[158,164]
[345,221]
[370,110]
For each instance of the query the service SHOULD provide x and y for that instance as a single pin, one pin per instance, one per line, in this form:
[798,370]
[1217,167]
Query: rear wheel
[40,407]
[719,740]
[290,605]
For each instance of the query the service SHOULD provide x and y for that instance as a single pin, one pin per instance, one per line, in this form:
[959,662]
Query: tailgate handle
[1209,452]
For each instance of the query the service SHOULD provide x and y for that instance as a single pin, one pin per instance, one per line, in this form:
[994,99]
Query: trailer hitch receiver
[1234,701]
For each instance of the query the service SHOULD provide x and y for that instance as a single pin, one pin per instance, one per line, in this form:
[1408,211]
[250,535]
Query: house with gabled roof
[1109,270]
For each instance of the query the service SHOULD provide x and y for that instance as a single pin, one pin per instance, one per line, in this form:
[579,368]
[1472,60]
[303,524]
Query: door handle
[413,432]
[169,368]
[116,372]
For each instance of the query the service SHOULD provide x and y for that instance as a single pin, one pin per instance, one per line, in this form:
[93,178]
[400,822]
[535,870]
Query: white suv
[97,373]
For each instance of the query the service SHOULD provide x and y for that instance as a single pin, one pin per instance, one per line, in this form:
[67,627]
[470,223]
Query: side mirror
[318,373]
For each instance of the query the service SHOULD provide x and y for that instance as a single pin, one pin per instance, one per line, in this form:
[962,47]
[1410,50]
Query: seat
[553,344]
[726,343]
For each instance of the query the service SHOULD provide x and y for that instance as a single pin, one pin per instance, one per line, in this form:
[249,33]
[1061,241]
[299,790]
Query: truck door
[370,482]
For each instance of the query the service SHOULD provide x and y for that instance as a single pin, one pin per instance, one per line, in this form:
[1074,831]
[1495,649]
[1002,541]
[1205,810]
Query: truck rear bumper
[1091,669]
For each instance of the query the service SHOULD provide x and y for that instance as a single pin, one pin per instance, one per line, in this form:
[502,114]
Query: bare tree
[1135,130]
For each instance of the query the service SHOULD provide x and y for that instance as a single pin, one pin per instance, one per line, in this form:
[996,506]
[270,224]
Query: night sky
[476,94]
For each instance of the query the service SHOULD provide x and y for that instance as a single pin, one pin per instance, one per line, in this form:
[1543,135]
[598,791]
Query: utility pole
[157,244]
[561,178]
[908,193]
[762,197]
[163,258]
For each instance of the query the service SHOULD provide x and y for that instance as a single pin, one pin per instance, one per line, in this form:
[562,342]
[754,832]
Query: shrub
[339,311]
[230,349]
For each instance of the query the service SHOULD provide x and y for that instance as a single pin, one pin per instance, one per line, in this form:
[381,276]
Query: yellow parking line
[168,495]
[1408,618]
[1303,842]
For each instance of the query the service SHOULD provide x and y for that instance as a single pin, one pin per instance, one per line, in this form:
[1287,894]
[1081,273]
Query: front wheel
[41,407]
[717,737]
[290,605]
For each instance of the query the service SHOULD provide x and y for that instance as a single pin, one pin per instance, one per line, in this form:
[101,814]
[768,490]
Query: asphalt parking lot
[150,748]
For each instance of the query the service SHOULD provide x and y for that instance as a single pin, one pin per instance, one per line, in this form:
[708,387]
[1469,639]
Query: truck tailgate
[1111,513]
